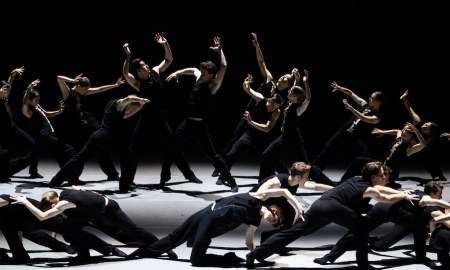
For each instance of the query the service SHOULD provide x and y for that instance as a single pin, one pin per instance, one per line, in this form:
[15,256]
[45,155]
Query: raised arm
[252,93]
[217,82]
[348,92]
[131,80]
[95,90]
[302,108]
[62,82]
[260,58]
[381,196]
[371,119]
[414,117]
[17,72]
[58,209]
[25,108]
[168,58]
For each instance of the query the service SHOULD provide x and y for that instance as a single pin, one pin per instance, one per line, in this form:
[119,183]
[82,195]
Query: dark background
[364,45]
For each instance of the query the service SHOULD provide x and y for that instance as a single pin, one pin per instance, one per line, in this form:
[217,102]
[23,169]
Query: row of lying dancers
[270,123]
[422,213]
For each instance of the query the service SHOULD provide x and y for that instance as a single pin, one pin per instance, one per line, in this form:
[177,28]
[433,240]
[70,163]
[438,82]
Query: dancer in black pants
[207,82]
[112,136]
[266,89]
[222,216]
[82,121]
[398,151]
[42,130]
[440,237]
[429,131]
[291,139]
[13,139]
[407,218]
[82,207]
[16,217]
[351,134]
[147,83]
[342,205]
[264,117]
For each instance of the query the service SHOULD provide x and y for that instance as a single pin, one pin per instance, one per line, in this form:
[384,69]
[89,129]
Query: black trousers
[381,213]
[62,151]
[342,142]
[201,227]
[100,141]
[440,242]
[321,213]
[20,146]
[157,122]
[198,130]
[288,143]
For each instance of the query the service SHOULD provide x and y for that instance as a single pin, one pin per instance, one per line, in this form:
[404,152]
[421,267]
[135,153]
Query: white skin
[446,135]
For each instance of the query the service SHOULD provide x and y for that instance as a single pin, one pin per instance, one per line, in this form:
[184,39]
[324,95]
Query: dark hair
[33,93]
[434,129]
[84,82]
[371,168]
[299,92]
[432,187]
[134,66]
[277,98]
[382,98]
[209,66]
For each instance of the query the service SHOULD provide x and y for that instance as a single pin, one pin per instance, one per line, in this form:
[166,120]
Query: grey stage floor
[160,211]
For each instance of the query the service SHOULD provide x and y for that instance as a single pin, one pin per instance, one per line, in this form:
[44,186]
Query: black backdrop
[364,45]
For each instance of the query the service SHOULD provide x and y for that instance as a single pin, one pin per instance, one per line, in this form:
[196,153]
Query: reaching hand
[120,81]
[255,40]
[34,83]
[172,76]
[248,81]
[126,48]
[160,38]
[335,87]
[217,44]
[306,76]
[18,71]
[404,95]
[346,105]
[18,199]
[61,106]
[247,116]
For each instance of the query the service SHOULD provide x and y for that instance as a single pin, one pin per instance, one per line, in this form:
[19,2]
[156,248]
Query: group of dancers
[269,123]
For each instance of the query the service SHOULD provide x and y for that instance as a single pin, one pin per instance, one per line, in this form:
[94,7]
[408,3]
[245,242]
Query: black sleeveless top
[38,123]
[198,100]
[152,89]
[89,205]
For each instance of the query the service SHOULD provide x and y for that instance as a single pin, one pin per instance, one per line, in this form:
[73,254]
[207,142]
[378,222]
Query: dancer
[207,82]
[83,207]
[291,138]
[148,84]
[222,216]
[42,130]
[82,122]
[352,132]
[341,205]
[112,136]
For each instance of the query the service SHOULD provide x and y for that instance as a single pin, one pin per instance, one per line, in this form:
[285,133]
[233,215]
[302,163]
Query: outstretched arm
[315,186]
[415,118]
[14,73]
[168,58]
[386,197]
[58,209]
[215,85]
[348,92]
[95,90]
[62,82]
[260,58]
